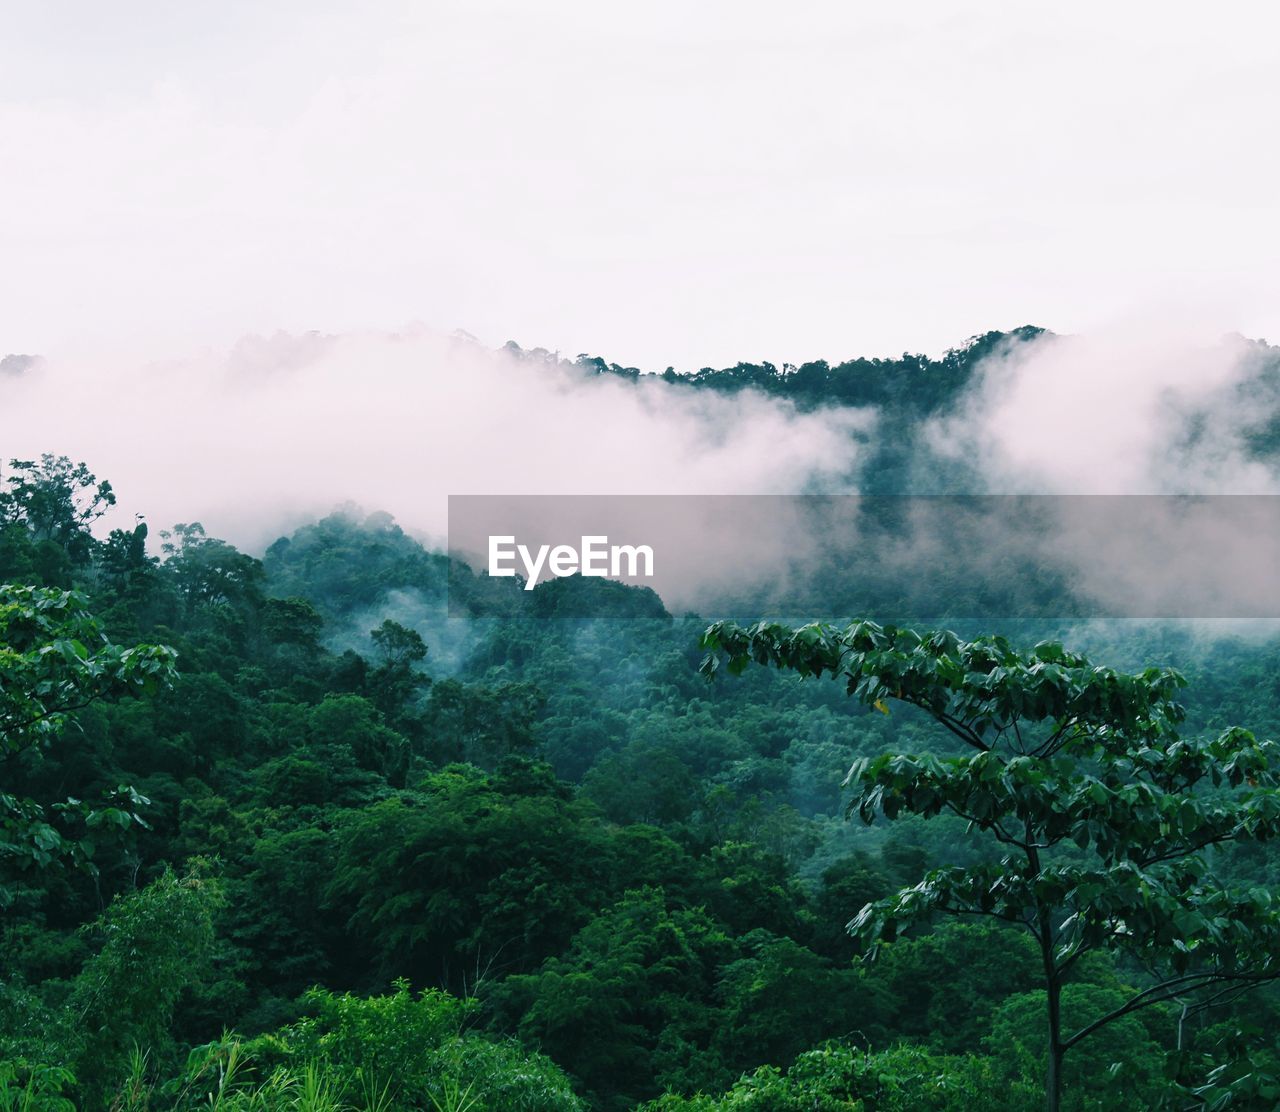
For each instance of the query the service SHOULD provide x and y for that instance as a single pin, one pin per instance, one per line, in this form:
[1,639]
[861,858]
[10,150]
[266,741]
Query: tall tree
[56,499]
[1105,816]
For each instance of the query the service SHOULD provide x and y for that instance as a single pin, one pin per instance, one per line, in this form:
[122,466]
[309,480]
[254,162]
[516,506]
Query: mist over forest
[278,831]
[877,409]
[280,430]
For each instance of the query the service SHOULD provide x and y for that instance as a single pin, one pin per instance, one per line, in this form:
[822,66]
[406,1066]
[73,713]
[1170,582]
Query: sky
[664,184]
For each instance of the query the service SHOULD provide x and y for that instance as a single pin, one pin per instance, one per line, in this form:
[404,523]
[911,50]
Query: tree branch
[1168,990]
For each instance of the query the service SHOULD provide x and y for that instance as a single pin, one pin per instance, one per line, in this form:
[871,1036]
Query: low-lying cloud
[1124,411]
[285,428]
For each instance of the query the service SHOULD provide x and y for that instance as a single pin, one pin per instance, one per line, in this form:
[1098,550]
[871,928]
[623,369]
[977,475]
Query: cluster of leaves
[55,660]
[843,1078]
[374,1053]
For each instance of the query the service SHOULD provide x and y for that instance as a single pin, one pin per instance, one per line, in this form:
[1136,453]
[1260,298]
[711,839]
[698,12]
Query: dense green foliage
[395,860]
[1104,814]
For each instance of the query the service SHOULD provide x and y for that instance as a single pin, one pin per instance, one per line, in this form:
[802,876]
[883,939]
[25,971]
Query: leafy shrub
[374,1054]
[837,1078]
[34,1087]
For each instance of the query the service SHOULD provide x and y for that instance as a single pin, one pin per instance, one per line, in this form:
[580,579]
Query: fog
[284,429]
[281,429]
[1136,408]
[193,194]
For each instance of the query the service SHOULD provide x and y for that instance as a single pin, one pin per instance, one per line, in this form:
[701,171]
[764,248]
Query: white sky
[661,183]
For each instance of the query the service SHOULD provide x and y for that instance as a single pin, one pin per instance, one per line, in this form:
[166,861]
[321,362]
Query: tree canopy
[282,830]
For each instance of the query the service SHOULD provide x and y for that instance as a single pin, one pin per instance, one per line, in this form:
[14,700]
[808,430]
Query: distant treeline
[914,384]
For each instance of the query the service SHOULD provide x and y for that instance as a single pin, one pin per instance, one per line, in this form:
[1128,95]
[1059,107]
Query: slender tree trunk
[1053,1077]
[1053,994]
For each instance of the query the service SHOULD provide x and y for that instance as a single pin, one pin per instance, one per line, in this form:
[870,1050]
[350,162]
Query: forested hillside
[321,846]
